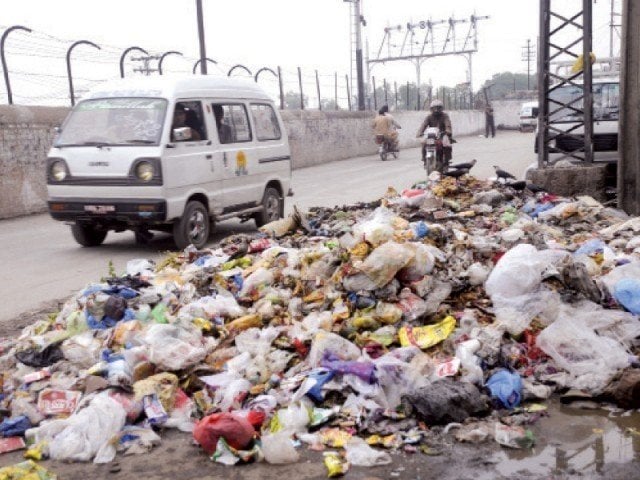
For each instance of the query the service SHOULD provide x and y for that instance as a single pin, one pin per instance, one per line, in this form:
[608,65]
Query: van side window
[232,122]
[189,115]
[265,121]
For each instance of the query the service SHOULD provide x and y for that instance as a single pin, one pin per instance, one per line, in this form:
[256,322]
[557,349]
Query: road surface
[42,263]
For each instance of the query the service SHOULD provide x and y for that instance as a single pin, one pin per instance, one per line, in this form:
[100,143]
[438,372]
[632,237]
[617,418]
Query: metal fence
[45,70]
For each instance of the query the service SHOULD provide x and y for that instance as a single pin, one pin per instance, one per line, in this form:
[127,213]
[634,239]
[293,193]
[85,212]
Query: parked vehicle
[169,154]
[528,116]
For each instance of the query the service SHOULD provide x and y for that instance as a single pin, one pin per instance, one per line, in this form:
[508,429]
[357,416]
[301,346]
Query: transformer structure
[429,39]
[565,122]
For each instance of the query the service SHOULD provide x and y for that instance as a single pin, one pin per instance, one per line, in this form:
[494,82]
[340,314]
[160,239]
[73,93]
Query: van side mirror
[181,134]
[57,129]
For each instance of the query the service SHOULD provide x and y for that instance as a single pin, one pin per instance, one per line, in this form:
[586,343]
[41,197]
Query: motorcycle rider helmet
[436,105]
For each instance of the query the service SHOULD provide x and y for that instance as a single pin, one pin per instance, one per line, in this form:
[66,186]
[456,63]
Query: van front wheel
[88,235]
[272,208]
[193,227]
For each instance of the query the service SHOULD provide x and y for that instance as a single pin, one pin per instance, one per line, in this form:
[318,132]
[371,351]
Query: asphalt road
[40,261]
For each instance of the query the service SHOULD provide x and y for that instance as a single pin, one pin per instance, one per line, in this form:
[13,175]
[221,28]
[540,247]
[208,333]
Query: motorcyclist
[439,119]
[385,125]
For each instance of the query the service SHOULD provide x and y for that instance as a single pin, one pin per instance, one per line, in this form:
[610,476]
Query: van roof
[184,86]
[529,104]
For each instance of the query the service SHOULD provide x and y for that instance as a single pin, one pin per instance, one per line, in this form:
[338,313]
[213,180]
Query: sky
[311,34]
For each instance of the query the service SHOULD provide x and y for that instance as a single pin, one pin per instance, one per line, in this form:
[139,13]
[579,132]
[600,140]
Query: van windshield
[114,121]
[605,102]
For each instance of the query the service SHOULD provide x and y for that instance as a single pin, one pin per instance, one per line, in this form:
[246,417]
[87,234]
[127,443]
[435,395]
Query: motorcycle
[435,143]
[386,146]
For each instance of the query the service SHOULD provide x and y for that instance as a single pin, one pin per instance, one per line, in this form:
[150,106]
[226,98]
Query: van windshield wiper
[85,144]
[141,141]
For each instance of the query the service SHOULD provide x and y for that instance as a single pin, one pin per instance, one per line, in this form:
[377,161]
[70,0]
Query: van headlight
[144,171]
[58,170]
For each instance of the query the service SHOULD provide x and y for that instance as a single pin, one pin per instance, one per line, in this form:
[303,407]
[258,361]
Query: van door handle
[208,156]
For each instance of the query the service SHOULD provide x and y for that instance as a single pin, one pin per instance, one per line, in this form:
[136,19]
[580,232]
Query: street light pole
[203,52]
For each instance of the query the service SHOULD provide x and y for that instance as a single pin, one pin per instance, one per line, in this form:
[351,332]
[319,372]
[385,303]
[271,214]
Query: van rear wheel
[193,227]
[272,208]
[88,235]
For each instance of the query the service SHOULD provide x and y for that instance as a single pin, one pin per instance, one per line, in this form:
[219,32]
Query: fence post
[318,88]
[375,96]
[335,82]
[301,92]
[386,99]
[75,44]
[348,92]
[407,95]
[4,61]
[395,89]
[281,88]
[124,54]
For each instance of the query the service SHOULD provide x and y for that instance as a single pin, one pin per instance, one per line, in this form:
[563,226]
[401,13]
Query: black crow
[502,173]
[465,165]
[521,185]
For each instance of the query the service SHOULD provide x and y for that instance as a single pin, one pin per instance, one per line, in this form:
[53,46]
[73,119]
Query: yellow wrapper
[335,467]
[427,336]
[335,438]
[246,322]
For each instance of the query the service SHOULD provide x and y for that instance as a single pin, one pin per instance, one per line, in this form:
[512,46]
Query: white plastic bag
[377,228]
[362,455]
[385,261]
[85,434]
[330,342]
[278,448]
[590,359]
[174,348]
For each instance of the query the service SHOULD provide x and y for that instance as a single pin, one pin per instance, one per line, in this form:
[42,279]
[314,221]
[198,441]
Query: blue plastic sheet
[13,427]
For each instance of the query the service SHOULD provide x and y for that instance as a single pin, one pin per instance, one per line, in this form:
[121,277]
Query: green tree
[506,85]
[292,101]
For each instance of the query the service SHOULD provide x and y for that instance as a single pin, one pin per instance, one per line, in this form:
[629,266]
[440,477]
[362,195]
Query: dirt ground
[581,440]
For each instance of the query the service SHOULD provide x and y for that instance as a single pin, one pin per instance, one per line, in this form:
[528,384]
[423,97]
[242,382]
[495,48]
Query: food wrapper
[427,336]
[335,466]
[334,437]
[58,402]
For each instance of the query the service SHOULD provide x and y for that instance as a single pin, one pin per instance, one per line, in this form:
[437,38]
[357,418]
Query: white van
[169,154]
[528,116]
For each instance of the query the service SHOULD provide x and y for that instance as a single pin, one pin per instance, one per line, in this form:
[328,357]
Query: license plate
[99,208]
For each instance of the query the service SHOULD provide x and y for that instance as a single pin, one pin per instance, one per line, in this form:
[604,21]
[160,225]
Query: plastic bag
[362,455]
[84,435]
[506,387]
[278,448]
[412,306]
[175,348]
[256,282]
[385,261]
[330,342]
[234,428]
[590,359]
[293,419]
[420,265]
[427,336]
[627,293]
[256,341]
[376,228]
[465,351]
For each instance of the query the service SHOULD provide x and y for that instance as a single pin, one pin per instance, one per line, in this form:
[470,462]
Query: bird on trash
[533,188]
[464,166]
[455,174]
[503,174]
[519,186]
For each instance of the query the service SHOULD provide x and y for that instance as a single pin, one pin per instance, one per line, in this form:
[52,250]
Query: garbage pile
[454,307]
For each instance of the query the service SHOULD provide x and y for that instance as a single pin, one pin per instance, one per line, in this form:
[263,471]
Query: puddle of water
[575,440]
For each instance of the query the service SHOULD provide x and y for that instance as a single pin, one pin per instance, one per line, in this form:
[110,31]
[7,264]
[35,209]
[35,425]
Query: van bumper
[108,210]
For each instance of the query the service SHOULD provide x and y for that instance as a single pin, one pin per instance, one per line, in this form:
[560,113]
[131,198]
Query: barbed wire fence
[37,69]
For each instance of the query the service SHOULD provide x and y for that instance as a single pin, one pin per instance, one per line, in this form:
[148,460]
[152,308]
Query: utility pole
[203,50]
[528,55]
[146,61]
[356,40]
[629,124]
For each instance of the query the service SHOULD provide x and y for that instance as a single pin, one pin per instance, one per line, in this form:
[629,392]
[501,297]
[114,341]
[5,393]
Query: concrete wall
[316,137]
